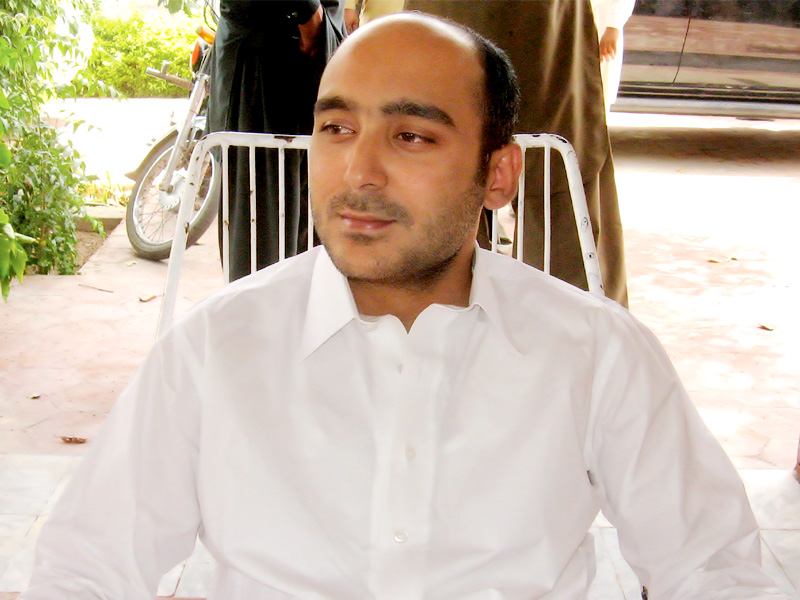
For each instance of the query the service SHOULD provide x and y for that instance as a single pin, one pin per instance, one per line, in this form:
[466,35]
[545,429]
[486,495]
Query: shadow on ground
[741,145]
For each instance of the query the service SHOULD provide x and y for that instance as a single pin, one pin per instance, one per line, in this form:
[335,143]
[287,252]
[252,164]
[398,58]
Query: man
[345,424]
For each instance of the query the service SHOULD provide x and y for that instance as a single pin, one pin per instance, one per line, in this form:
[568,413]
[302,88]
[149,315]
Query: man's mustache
[378,205]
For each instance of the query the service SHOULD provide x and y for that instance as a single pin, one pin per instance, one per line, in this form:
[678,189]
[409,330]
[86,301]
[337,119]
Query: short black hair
[501,97]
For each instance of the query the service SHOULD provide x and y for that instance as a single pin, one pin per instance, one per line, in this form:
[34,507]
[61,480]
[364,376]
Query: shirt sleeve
[683,519]
[619,11]
[130,513]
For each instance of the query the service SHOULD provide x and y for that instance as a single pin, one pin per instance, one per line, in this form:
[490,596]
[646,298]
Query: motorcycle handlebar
[169,78]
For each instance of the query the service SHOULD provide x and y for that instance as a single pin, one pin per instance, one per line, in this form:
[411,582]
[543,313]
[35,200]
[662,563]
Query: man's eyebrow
[416,109]
[332,103]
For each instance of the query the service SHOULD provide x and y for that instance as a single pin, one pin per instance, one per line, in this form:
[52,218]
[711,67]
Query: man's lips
[367,214]
[365,221]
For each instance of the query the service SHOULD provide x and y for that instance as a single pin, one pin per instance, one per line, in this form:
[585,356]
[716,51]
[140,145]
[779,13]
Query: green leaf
[5,155]
[26,239]
[18,260]
[5,256]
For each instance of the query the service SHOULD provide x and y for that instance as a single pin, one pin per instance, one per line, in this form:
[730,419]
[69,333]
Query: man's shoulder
[269,293]
[533,302]
[296,272]
[509,273]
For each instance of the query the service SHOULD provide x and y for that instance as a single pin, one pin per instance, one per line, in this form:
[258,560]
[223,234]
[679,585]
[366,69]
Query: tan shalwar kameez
[554,47]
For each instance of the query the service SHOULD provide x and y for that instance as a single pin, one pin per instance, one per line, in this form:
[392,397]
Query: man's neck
[406,300]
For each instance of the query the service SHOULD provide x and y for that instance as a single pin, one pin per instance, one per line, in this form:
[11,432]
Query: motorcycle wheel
[151,216]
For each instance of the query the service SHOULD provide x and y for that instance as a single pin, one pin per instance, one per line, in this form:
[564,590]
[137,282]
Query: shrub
[41,177]
[43,192]
[12,254]
[124,47]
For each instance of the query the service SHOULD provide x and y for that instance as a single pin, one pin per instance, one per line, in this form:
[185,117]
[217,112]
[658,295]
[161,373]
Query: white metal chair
[225,140]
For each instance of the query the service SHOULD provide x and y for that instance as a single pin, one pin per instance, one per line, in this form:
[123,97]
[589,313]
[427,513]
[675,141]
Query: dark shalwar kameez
[262,83]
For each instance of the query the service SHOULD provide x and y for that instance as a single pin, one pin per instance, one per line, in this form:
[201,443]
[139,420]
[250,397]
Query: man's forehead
[408,57]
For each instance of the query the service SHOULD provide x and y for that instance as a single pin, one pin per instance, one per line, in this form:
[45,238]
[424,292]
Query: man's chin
[404,271]
[363,264]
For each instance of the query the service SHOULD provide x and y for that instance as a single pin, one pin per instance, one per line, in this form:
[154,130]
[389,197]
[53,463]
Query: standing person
[553,44]
[268,58]
[610,17]
[399,415]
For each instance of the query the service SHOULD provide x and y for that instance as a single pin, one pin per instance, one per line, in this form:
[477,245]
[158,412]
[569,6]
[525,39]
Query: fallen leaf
[72,440]
[35,396]
[130,263]
[147,297]
[766,327]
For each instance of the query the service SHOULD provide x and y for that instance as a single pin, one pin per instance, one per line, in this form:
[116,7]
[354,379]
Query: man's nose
[365,166]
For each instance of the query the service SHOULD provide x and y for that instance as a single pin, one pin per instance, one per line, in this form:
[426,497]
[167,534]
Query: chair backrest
[224,140]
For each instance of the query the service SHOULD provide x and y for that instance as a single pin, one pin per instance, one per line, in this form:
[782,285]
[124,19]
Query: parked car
[739,57]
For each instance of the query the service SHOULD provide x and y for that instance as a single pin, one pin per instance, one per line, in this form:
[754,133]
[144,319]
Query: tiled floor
[29,484]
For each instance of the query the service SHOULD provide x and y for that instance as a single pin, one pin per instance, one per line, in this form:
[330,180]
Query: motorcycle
[152,209]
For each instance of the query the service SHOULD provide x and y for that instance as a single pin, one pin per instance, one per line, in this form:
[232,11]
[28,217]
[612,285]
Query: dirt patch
[88,244]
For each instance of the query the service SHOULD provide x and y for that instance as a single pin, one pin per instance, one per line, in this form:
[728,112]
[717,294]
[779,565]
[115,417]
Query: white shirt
[612,13]
[322,455]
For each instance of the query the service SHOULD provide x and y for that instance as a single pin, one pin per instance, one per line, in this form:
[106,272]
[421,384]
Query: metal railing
[225,140]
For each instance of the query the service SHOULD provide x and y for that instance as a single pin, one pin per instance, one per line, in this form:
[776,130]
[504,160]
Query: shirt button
[411,454]
[400,536]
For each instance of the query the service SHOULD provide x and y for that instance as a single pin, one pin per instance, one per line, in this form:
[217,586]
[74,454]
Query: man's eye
[335,129]
[414,138]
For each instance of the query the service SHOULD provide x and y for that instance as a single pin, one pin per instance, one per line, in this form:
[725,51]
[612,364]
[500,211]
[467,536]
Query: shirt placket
[401,519]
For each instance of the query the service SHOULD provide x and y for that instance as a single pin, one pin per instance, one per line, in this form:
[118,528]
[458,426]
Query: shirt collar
[484,295]
[331,305]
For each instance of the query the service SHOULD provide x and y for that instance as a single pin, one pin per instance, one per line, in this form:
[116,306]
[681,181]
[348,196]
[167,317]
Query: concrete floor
[708,205]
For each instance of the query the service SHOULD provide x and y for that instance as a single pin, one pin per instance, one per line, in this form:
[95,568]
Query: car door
[743,48]
[654,39]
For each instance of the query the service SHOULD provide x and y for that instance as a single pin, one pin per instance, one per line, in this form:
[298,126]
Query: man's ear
[502,176]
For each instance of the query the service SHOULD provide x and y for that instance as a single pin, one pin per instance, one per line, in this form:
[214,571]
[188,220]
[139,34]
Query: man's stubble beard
[417,267]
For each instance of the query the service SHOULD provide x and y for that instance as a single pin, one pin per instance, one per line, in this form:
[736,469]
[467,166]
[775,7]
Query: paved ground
[709,208]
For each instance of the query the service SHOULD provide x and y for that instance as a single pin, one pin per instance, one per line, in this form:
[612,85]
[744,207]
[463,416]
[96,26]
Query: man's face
[395,154]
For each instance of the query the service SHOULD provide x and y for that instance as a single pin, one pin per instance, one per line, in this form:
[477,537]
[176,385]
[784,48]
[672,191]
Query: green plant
[106,193]
[125,47]
[44,193]
[12,255]
[41,177]
[174,6]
